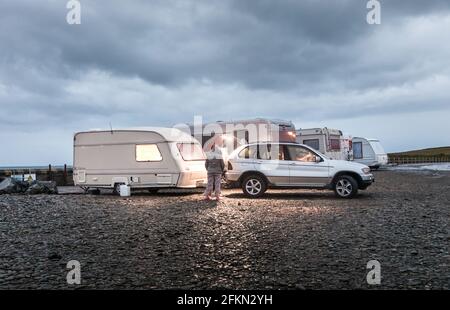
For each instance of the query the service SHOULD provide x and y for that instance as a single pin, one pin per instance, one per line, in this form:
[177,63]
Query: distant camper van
[239,132]
[369,152]
[330,142]
[145,158]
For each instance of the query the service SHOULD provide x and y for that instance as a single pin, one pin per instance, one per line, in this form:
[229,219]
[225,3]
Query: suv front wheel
[346,187]
[254,186]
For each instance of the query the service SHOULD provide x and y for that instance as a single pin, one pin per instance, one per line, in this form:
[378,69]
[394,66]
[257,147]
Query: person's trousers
[213,181]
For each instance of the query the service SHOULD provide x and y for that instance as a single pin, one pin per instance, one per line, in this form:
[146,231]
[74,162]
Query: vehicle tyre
[254,186]
[345,187]
[94,191]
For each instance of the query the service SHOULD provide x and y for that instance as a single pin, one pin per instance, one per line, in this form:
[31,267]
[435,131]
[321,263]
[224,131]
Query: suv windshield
[191,151]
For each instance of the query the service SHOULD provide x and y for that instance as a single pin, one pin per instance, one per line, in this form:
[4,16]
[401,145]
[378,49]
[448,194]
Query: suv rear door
[246,159]
[303,168]
[270,161]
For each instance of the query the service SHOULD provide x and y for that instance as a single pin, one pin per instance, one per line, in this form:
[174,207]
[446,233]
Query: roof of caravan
[367,139]
[260,119]
[253,120]
[310,131]
[168,134]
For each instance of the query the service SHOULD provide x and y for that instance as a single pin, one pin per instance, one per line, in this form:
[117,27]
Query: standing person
[215,167]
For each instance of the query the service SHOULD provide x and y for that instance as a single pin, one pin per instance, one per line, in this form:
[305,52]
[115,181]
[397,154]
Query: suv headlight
[366,170]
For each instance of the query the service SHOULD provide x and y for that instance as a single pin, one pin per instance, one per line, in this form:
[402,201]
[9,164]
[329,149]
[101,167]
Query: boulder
[42,187]
[12,186]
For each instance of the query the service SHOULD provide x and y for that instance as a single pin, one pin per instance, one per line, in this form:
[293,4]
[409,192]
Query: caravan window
[357,150]
[335,144]
[377,147]
[148,152]
[312,143]
[191,151]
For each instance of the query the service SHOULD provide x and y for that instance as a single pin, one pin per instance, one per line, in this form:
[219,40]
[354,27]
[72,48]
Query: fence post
[49,175]
[65,175]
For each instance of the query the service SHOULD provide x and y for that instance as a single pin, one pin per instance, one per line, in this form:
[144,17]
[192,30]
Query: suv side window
[299,153]
[270,152]
[248,152]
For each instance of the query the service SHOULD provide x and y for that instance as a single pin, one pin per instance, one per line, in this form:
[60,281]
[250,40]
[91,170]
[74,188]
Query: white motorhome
[330,142]
[369,152]
[150,158]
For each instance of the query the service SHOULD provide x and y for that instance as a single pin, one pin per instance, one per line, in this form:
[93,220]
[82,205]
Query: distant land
[434,151]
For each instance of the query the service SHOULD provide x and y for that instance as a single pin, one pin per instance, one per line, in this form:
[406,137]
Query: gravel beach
[296,239]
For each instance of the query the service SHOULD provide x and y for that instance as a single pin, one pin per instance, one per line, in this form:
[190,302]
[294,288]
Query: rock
[12,186]
[54,256]
[42,187]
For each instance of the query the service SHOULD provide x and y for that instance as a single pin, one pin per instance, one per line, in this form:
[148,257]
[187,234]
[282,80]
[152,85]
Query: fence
[62,175]
[401,160]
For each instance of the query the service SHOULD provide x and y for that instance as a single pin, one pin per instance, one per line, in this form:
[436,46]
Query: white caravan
[369,152]
[150,158]
[327,141]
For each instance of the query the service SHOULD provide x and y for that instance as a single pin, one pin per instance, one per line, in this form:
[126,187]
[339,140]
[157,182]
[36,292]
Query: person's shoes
[207,198]
[218,198]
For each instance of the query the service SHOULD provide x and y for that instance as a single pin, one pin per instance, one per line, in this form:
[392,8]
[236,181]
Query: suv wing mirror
[318,159]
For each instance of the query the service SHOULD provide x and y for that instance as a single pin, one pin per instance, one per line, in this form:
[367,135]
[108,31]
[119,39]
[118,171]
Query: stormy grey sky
[159,63]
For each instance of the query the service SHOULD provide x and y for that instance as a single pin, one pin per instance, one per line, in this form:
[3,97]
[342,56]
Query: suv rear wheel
[346,187]
[254,186]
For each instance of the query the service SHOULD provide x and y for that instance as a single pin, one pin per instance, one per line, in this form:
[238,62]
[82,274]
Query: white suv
[255,167]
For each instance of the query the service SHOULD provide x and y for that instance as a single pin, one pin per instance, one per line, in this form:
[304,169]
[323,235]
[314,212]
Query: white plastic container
[125,191]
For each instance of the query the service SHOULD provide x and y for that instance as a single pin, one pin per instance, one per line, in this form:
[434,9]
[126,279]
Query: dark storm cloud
[290,44]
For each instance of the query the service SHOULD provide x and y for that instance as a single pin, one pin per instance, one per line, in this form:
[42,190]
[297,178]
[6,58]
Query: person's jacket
[215,165]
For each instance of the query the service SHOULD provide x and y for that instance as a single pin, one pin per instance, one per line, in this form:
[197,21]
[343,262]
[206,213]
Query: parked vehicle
[150,158]
[330,142]
[369,152]
[256,167]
